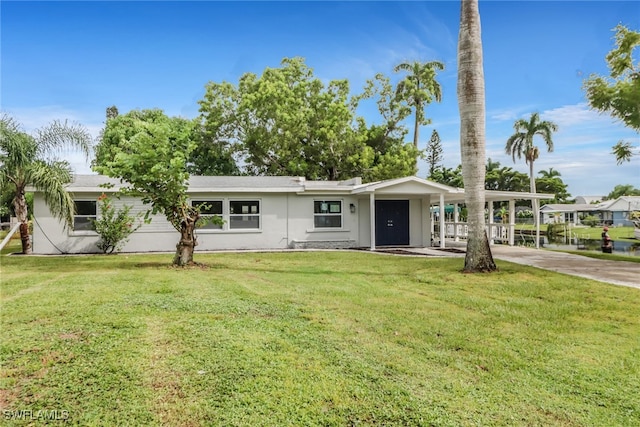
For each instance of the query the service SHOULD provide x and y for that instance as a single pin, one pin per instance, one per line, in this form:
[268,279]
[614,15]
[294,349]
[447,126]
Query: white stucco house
[281,212]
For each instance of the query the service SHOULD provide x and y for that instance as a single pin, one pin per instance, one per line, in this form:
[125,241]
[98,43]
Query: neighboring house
[270,213]
[616,212]
[612,212]
[566,213]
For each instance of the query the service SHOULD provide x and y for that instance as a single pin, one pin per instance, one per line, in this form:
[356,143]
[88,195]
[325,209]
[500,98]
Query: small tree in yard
[31,160]
[148,151]
[114,226]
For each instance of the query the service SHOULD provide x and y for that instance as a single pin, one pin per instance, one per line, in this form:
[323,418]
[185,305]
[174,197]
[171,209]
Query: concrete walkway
[615,272]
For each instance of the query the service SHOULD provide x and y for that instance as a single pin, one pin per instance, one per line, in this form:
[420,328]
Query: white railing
[8,236]
[460,230]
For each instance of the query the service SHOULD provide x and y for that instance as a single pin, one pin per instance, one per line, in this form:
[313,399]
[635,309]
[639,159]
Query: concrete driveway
[615,272]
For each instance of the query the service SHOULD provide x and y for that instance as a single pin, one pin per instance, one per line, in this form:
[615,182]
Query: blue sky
[71,60]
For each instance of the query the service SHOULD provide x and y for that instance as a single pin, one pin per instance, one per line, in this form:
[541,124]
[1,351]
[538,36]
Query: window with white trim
[244,214]
[327,213]
[209,209]
[85,213]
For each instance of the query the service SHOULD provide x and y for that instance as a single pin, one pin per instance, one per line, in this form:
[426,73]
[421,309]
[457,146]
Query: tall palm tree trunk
[534,204]
[416,128]
[471,102]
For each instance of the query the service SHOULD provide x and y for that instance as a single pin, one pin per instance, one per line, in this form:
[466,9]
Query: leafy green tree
[418,88]
[288,122]
[555,186]
[471,103]
[384,155]
[448,176]
[434,152]
[550,181]
[31,160]
[623,190]
[504,178]
[149,152]
[619,93]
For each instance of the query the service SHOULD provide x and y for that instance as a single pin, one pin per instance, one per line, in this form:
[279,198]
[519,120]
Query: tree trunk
[416,129]
[22,214]
[471,103]
[534,204]
[187,243]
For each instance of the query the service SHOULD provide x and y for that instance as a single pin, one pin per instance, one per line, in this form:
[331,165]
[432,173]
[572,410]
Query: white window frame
[250,213]
[84,231]
[339,214]
[209,227]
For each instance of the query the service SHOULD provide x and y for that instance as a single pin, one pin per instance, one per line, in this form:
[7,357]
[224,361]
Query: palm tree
[419,88]
[27,160]
[471,102]
[521,144]
[550,173]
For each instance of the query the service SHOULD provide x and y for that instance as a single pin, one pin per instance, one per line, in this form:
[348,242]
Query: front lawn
[314,338]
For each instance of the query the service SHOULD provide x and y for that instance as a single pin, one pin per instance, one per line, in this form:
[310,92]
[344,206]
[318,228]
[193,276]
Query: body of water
[591,245]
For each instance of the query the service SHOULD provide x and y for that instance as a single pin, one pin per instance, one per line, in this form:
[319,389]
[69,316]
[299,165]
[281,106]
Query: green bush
[114,225]
[590,220]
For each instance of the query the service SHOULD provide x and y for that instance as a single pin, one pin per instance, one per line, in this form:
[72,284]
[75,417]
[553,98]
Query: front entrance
[392,222]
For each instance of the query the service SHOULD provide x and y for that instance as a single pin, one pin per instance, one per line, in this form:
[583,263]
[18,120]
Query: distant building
[611,212]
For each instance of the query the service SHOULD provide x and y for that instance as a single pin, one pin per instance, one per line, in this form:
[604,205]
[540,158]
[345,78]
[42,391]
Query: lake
[591,245]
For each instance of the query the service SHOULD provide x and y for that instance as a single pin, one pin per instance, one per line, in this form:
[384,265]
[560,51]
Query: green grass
[315,338]
[595,233]
[600,255]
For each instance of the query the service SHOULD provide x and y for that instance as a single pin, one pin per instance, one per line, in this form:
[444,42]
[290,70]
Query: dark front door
[392,222]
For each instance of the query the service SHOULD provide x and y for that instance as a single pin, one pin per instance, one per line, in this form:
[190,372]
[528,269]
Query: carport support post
[536,212]
[442,225]
[372,215]
[490,222]
[456,226]
[512,222]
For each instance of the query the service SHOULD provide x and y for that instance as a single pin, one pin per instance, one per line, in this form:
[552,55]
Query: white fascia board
[213,190]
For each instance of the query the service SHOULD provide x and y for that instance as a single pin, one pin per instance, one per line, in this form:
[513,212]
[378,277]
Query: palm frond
[17,148]
[51,179]
[58,136]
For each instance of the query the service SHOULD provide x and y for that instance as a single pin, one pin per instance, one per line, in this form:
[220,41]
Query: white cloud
[571,115]
[32,119]
[37,117]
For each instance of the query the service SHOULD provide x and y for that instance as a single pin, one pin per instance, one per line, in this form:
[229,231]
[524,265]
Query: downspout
[372,215]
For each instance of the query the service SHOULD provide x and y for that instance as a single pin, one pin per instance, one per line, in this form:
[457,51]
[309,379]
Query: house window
[85,213]
[209,209]
[327,214]
[244,214]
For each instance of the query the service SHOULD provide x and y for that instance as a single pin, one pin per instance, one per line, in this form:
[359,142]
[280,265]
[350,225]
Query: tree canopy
[149,152]
[289,122]
[619,93]
[623,190]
